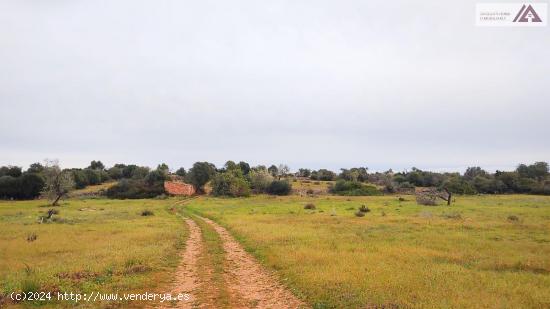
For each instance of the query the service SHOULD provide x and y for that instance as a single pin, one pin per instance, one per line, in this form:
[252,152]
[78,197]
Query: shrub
[27,186]
[260,180]
[93,176]
[80,179]
[134,189]
[309,206]
[353,188]
[426,200]
[32,237]
[146,213]
[115,172]
[513,218]
[359,214]
[30,285]
[279,187]
[230,184]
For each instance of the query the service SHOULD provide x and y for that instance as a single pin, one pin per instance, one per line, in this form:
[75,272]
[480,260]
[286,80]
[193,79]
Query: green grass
[469,255]
[93,245]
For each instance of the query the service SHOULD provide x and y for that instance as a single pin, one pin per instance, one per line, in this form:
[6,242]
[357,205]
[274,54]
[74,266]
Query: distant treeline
[240,179]
[532,179]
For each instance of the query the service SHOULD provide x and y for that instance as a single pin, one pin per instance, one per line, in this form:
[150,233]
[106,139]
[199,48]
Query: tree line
[240,179]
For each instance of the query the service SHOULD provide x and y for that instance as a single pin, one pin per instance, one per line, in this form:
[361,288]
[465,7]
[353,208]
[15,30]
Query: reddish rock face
[178,188]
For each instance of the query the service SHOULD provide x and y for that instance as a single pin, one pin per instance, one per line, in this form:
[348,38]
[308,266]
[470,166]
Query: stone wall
[179,188]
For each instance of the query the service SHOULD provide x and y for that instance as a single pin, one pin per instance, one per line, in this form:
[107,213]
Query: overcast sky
[308,83]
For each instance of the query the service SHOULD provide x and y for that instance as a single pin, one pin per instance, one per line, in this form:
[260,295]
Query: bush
[134,189]
[93,176]
[260,180]
[426,200]
[513,218]
[27,186]
[309,206]
[230,184]
[353,188]
[80,179]
[359,214]
[279,187]
[146,213]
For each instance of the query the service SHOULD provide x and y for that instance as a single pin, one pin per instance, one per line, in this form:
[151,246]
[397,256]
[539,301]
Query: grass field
[474,254]
[482,252]
[92,245]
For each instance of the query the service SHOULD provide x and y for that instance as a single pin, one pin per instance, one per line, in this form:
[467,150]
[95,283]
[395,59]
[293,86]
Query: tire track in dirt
[250,285]
[187,279]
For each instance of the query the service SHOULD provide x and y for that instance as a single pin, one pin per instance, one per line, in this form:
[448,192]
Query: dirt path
[187,280]
[250,285]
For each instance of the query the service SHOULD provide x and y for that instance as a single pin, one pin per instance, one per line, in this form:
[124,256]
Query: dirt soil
[249,283]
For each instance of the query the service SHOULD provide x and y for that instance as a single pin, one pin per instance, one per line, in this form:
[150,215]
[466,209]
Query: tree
[96,165]
[230,184]
[80,178]
[304,172]
[282,170]
[473,172]
[163,168]
[93,176]
[155,177]
[245,167]
[200,174]
[230,165]
[31,185]
[35,168]
[57,182]
[260,180]
[181,172]
[538,170]
[115,172]
[13,171]
[325,175]
[273,170]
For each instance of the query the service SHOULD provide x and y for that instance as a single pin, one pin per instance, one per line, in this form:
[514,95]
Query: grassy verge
[89,246]
[482,252]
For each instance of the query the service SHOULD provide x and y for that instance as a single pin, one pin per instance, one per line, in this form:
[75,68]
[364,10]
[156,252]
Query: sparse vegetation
[353,188]
[452,251]
[97,257]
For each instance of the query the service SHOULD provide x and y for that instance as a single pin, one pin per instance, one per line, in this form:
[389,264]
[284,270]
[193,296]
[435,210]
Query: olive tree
[200,174]
[58,182]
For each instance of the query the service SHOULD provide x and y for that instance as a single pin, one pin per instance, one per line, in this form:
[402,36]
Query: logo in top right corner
[527,15]
[534,14]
